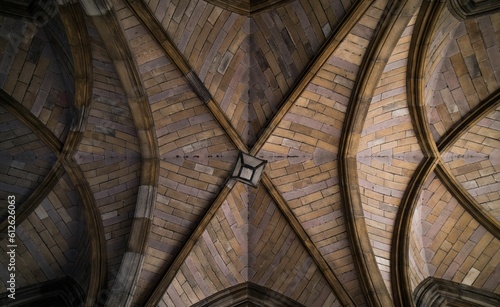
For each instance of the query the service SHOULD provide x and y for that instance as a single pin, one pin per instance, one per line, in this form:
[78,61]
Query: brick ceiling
[121,122]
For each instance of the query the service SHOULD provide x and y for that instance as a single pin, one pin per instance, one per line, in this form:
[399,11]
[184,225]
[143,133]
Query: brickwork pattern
[248,64]
[109,155]
[455,246]
[218,260]
[439,42]
[313,195]
[25,160]
[475,162]
[468,72]
[445,241]
[184,194]
[291,271]
[388,153]
[302,152]
[51,241]
[34,78]
[196,156]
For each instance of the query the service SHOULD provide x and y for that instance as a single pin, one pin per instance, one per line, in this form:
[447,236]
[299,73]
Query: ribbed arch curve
[417,64]
[298,108]
[196,154]
[461,70]
[76,38]
[430,15]
[162,38]
[338,288]
[447,242]
[50,249]
[72,17]
[157,293]
[188,264]
[473,117]
[478,113]
[66,163]
[143,13]
[426,21]
[399,14]
[14,110]
[95,233]
[388,153]
[115,43]
[37,69]
[330,55]
[485,218]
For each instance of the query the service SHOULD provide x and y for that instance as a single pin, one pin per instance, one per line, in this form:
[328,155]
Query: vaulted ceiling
[122,120]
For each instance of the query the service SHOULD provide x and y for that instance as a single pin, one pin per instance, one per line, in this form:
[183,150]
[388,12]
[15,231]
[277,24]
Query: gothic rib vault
[379,120]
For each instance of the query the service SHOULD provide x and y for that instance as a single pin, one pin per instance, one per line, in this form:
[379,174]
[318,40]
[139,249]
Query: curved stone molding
[420,42]
[377,117]
[40,130]
[247,294]
[424,27]
[372,67]
[95,232]
[27,118]
[73,20]
[467,201]
[439,292]
[464,9]
[36,198]
[473,117]
[401,289]
[143,13]
[65,162]
[76,31]
[118,50]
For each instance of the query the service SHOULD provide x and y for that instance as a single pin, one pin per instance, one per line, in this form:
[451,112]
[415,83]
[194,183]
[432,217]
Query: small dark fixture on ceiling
[248,169]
